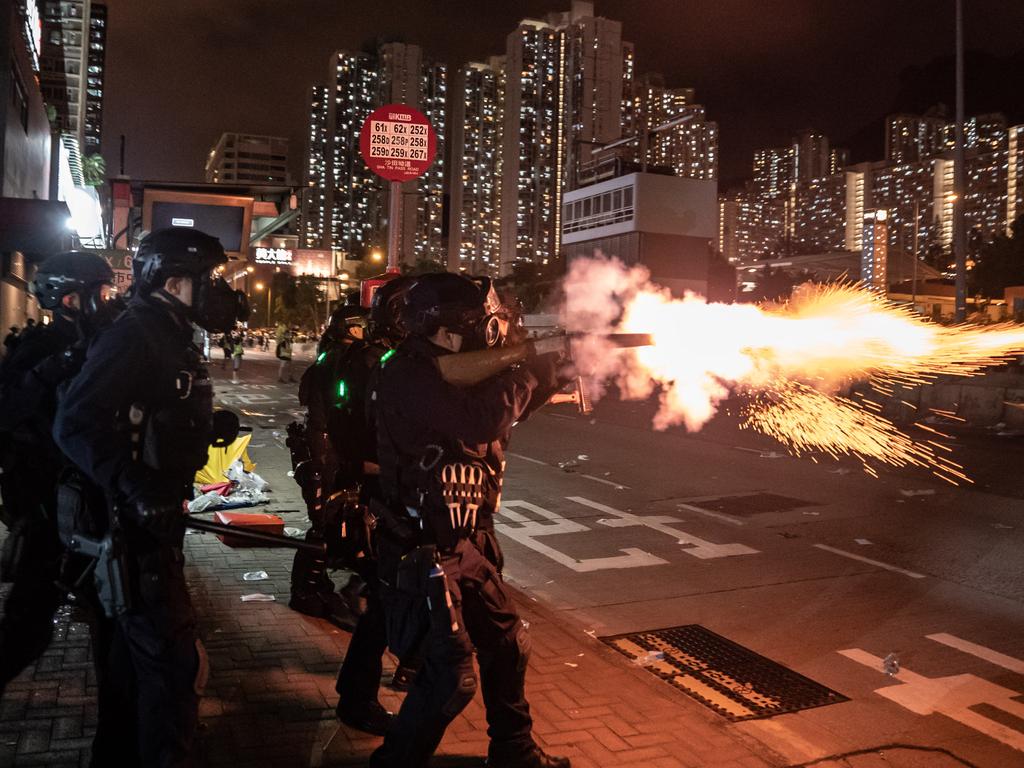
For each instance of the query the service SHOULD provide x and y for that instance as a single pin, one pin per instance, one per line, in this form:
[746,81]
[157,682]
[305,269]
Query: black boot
[368,718]
[532,758]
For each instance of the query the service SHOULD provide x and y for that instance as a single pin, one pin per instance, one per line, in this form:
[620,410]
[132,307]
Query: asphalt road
[815,565]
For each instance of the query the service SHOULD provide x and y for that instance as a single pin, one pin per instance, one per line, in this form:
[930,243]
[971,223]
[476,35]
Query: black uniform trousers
[487,621]
[27,624]
[359,677]
[148,693]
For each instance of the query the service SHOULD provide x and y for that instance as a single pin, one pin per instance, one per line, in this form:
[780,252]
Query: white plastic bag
[207,501]
[245,481]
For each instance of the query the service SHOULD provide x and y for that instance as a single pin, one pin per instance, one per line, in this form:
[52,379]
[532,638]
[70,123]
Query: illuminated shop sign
[276,256]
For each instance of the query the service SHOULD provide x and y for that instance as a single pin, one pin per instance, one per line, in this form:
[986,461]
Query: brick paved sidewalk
[270,700]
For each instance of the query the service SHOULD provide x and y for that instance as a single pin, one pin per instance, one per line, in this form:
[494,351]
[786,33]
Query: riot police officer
[75,287]
[328,452]
[441,452]
[137,422]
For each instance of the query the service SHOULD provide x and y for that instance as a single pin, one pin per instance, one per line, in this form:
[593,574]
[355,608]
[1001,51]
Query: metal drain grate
[730,679]
[752,504]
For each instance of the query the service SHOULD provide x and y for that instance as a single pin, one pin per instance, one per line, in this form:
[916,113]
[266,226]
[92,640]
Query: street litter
[891,665]
[1002,526]
[255,576]
[810,513]
[839,471]
[258,597]
[772,455]
[570,664]
[568,466]
[925,492]
[862,542]
[255,413]
[591,632]
[295,533]
[583,457]
[649,658]
[290,473]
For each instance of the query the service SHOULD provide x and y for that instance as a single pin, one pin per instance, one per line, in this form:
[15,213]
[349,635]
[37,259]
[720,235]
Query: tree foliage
[94,170]
[1000,263]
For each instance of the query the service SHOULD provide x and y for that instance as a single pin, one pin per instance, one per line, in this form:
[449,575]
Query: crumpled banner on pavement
[220,460]
[247,490]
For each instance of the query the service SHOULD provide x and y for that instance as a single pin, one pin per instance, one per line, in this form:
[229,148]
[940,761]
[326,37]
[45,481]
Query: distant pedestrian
[237,352]
[11,340]
[225,347]
[284,354]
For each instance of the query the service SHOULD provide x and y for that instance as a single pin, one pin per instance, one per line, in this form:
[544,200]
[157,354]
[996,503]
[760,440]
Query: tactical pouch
[405,601]
[74,513]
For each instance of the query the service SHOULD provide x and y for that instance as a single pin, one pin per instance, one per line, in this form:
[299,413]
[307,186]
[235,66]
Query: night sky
[179,72]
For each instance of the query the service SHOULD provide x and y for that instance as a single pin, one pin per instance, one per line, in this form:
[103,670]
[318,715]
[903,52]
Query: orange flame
[794,360]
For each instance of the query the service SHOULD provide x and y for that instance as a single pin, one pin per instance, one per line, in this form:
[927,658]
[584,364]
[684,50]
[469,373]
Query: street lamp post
[959,177]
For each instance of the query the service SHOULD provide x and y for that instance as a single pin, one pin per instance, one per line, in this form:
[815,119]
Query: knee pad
[465,690]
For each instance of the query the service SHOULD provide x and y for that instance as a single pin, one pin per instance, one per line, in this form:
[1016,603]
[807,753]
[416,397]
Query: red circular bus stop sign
[397,142]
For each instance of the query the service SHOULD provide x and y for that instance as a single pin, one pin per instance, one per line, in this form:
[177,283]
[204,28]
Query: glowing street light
[377,256]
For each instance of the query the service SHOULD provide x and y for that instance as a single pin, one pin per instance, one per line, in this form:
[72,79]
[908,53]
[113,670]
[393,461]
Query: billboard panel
[226,217]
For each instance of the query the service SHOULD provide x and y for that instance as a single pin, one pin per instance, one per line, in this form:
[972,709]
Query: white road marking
[993,657]
[951,696]
[869,561]
[526,531]
[619,486]
[708,513]
[748,450]
[561,416]
[527,458]
[700,548]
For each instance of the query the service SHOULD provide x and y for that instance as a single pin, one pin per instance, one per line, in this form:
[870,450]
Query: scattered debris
[772,455]
[1002,526]
[839,471]
[568,466]
[191,532]
[923,492]
[811,513]
[583,457]
[863,542]
[649,658]
[591,632]
[255,576]
[290,473]
[571,664]
[258,597]
[295,533]
[891,665]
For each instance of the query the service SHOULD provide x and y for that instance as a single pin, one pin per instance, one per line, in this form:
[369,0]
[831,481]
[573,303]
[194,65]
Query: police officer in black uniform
[137,421]
[328,451]
[75,287]
[441,452]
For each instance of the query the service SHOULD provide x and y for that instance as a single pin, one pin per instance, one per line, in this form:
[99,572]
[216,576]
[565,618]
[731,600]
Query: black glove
[54,369]
[545,369]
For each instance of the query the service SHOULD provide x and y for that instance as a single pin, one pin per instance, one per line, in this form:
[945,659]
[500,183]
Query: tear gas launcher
[464,369]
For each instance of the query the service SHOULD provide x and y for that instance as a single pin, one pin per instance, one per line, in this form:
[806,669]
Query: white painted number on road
[705,550]
[953,696]
[526,531]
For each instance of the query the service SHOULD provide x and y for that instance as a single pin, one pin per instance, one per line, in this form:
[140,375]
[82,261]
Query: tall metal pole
[917,229]
[394,223]
[959,176]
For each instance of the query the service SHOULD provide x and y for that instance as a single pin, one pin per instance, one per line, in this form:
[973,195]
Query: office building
[810,155]
[666,223]
[243,158]
[689,148]
[345,205]
[875,253]
[910,138]
[475,204]
[313,197]
[531,144]
[72,64]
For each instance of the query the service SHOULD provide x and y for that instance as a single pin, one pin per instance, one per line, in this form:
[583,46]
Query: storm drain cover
[753,504]
[730,679]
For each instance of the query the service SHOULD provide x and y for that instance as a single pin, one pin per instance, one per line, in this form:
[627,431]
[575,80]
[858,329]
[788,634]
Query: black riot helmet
[186,252]
[343,324]
[458,303]
[385,323]
[73,272]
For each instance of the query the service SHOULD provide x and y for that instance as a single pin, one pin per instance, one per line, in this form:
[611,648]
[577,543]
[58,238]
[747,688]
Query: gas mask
[99,309]
[491,327]
[215,305]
